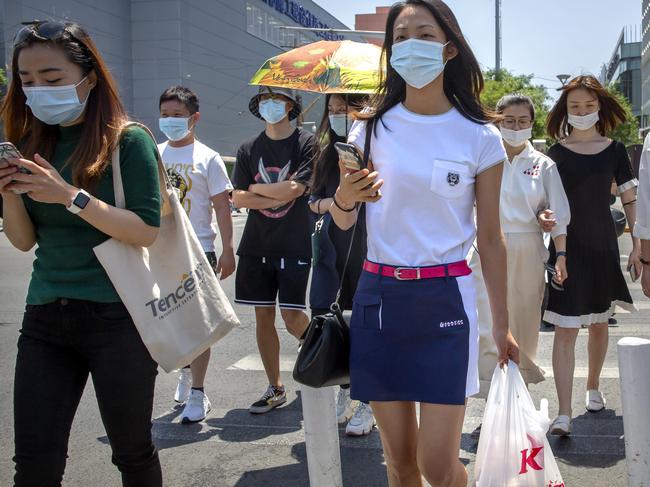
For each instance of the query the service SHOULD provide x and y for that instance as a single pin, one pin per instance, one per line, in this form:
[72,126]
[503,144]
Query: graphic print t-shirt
[284,231]
[202,175]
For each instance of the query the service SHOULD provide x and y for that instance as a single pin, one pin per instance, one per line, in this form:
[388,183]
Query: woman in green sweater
[63,113]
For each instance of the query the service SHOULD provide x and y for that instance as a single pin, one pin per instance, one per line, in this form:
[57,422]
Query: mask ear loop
[79,84]
[82,80]
[188,122]
[444,65]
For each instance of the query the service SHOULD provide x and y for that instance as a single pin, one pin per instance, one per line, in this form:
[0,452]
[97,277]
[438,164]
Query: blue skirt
[414,340]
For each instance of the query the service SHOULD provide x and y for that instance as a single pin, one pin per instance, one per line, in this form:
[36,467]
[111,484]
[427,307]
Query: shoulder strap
[336,307]
[118,185]
[370,124]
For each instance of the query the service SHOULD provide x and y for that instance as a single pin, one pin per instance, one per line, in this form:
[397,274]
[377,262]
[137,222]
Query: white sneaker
[595,401]
[184,386]
[362,422]
[197,408]
[561,426]
[343,406]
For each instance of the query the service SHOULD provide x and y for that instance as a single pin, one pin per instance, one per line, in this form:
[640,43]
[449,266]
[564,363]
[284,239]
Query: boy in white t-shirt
[200,175]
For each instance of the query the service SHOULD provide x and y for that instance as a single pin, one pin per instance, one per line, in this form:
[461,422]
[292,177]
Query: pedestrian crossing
[593,434]
[597,439]
[253,363]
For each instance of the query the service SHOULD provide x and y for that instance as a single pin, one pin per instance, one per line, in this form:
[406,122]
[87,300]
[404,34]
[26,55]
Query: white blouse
[642,225]
[531,183]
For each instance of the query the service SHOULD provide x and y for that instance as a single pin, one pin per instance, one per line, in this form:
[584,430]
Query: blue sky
[544,37]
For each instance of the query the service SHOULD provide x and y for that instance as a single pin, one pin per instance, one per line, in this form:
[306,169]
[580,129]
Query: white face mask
[55,105]
[272,110]
[516,138]
[174,128]
[418,62]
[340,124]
[584,122]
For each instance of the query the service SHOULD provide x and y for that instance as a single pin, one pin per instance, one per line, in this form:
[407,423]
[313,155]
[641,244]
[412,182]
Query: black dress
[596,283]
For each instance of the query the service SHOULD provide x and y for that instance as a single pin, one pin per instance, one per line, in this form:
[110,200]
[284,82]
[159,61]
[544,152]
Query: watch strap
[79,202]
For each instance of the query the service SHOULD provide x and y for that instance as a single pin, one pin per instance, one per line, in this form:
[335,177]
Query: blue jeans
[61,343]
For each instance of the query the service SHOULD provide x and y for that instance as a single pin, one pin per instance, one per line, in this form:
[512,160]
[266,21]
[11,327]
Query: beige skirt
[526,257]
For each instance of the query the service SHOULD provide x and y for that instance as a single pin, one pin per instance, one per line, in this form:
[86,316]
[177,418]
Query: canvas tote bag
[169,288]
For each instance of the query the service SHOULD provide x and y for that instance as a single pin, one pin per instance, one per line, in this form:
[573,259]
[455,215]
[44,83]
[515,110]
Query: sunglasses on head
[550,268]
[44,30]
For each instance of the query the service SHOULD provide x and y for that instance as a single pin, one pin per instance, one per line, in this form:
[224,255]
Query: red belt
[455,269]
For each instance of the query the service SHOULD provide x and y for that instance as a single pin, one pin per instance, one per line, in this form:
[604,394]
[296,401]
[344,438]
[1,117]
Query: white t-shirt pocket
[450,179]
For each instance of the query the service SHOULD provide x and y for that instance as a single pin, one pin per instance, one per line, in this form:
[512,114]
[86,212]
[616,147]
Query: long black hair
[462,82]
[326,156]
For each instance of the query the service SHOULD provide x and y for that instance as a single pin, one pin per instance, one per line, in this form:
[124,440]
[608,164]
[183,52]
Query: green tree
[506,83]
[628,132]
[3,82]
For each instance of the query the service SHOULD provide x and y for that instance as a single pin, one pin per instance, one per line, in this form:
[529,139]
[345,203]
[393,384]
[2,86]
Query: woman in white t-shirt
[414,331]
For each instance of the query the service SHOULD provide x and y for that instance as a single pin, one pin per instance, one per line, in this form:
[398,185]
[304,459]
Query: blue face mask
[272,110]
[55,105]
[418,62]
[340,124]
[174,128]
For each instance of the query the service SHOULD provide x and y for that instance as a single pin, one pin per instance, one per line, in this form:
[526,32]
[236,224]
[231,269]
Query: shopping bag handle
[118,185]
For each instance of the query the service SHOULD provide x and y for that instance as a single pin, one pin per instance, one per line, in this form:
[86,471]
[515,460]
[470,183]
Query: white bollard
[321,436]
[634,367]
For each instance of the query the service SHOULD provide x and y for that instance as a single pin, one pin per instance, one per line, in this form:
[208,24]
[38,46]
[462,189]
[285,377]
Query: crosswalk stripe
[582,372]
[253,363]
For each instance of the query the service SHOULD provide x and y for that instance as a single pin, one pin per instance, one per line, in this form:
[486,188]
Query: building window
[265,26]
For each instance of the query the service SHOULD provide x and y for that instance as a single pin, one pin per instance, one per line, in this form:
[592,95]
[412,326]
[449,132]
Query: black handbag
[324,357]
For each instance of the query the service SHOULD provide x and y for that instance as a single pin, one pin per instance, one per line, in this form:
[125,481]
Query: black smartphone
[350,156]
[550,268]
[632,270]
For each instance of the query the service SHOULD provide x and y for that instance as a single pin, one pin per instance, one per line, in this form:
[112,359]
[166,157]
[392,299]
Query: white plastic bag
[513,450]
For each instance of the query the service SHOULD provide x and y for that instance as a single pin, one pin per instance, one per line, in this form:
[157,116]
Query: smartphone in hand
[350,156]
[9,151]
[632,270]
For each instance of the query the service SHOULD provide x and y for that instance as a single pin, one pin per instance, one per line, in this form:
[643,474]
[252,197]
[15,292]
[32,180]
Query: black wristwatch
[560,253]
[79,202]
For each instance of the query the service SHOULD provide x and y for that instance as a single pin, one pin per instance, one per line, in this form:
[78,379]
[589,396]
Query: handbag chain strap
[336,307]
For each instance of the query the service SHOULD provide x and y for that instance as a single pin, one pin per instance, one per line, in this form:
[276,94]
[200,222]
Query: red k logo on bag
[529,455]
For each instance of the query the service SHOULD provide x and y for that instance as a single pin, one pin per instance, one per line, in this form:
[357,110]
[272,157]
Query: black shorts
[260,280]
[212,260]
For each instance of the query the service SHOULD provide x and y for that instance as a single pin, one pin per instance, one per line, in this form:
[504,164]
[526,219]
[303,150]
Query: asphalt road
[234,448]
